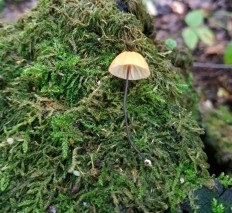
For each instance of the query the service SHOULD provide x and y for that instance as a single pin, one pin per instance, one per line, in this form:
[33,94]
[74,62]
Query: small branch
[212,66]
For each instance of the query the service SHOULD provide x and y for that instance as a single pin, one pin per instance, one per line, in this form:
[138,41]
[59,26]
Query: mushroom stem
[125,115]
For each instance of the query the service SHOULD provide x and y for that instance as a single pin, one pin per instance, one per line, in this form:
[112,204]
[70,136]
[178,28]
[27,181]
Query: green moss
[218,123]
[225,180]
[64,111]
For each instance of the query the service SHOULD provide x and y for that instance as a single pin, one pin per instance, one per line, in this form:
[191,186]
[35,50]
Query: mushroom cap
[138,66]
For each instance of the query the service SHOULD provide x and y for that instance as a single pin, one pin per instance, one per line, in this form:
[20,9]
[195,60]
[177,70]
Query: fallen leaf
[178,7]
[222,93]
[217,49]
[151,8]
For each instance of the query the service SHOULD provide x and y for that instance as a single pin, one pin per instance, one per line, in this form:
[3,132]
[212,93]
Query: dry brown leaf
[215,49]
[178,7]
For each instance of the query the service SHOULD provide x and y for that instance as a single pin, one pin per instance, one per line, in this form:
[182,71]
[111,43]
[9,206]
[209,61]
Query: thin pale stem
[125,115]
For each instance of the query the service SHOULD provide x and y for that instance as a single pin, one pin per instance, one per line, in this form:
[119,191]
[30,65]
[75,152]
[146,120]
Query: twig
[212,66]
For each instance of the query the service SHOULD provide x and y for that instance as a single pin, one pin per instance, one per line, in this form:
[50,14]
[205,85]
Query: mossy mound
[62,110]
[218,123]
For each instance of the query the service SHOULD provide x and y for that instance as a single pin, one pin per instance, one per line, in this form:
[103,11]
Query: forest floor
[212,79]
[214,82]
[12,10]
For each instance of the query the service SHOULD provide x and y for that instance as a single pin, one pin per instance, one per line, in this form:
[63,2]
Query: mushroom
[130,66]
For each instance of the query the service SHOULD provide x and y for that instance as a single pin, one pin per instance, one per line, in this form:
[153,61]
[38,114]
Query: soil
[208,78]
[13,10]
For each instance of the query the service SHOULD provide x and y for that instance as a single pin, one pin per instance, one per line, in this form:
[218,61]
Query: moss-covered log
[63,140]
[218,138]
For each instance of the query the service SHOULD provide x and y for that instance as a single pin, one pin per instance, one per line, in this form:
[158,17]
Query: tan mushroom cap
[138,66]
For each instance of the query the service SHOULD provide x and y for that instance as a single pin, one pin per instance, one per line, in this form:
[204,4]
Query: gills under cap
[132,61]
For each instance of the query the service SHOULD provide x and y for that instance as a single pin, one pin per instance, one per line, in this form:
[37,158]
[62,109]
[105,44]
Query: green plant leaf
[228,54]
[194,18]
[206,35]
[170,43]
[1,5]
[190,38]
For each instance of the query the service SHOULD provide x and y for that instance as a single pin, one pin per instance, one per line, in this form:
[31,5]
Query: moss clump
[218,123]
[63,110]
